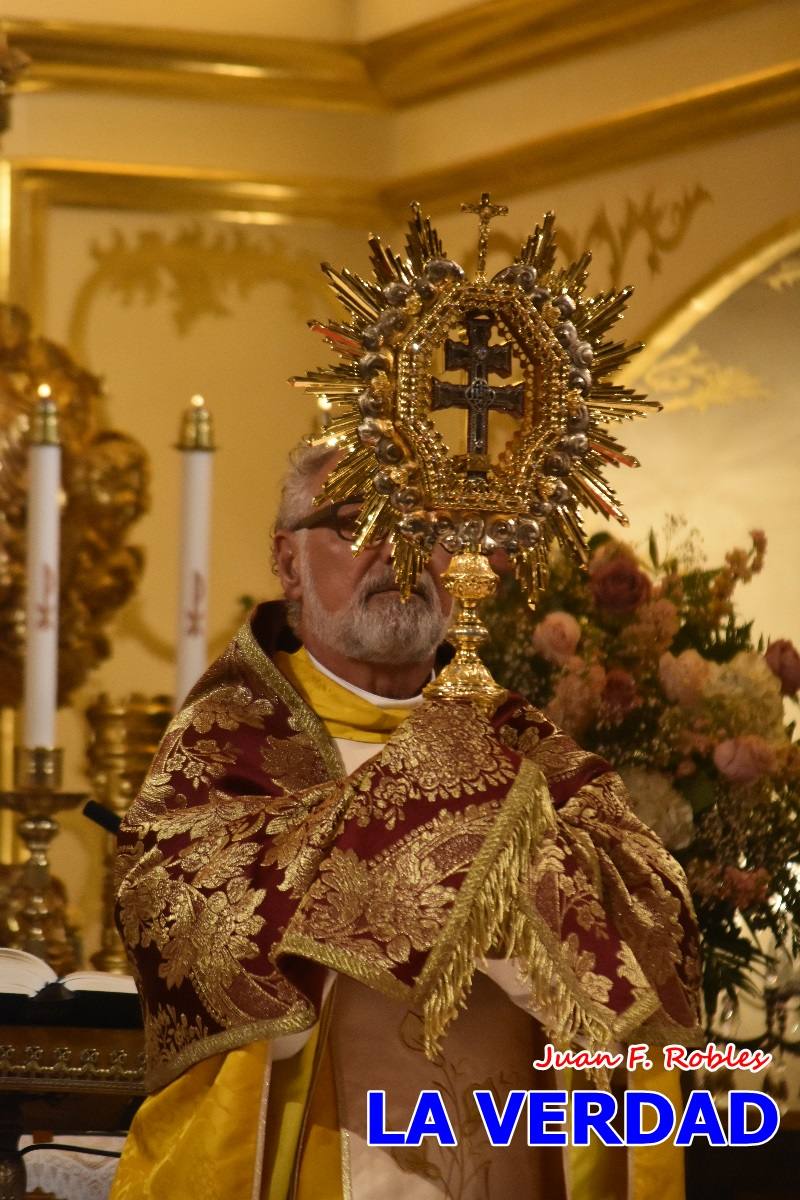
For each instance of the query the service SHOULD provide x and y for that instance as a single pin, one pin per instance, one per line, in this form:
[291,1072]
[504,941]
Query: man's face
[351,602]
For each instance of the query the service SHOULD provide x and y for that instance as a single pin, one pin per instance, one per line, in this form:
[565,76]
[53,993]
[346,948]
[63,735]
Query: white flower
[751,693]
[656,802]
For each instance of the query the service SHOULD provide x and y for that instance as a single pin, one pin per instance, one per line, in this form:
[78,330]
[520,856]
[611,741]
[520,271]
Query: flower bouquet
[645,662]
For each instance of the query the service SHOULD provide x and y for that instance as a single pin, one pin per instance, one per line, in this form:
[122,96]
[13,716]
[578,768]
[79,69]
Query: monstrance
[524,363]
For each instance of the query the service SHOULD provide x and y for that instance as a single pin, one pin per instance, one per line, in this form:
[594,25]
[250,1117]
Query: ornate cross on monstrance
[485,212]
[478,359]
[531,332]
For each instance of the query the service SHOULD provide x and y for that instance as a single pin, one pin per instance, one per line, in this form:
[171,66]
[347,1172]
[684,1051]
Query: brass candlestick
[470,580]
[36,915]
[124,736]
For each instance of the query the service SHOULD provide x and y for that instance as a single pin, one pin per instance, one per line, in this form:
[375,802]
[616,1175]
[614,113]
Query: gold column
[124,735]
[12,63]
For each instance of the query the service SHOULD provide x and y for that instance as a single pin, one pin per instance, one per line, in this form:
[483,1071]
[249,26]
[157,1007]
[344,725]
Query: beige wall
[667,219]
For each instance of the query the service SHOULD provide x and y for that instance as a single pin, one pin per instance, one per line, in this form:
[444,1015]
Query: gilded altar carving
[105,482]
[691,377]
[195,270]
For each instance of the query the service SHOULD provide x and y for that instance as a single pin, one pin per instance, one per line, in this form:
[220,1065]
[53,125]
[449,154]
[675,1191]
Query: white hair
[296,496]
[296,501]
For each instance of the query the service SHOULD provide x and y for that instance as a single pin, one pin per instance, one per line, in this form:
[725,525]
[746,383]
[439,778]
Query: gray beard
[379,630]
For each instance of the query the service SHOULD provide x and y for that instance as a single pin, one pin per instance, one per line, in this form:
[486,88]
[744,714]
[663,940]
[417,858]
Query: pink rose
[784,661]
[576,697]
[556,637]
[620,694]
[684,678]
[744,759]
[618,585]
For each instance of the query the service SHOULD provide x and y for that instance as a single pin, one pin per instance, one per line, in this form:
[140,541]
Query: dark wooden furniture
[68,1064]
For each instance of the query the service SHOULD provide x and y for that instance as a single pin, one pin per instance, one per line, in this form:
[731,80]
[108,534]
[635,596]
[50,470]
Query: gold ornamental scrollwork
[105,490]
[662,225]
[785,275]
[195,269]
[692,378]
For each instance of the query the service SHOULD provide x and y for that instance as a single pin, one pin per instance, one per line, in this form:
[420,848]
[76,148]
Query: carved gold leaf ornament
[195,269]
[785,275]
[663,224]
[657,224]
[105,482]
[691,378]
[534,346]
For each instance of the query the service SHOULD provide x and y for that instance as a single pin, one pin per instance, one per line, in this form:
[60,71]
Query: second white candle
[195,445]
[40,689]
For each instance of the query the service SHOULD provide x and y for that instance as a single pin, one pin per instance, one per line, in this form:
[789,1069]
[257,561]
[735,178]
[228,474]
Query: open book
[24,974]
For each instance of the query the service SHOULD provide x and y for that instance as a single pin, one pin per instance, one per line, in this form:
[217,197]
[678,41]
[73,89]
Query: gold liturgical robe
[241,1116]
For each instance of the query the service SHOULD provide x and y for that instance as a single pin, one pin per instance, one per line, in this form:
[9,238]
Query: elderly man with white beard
[332,887]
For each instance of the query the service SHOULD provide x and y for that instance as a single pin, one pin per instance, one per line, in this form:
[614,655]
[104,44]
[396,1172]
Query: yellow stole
[205,1133]
[342,712]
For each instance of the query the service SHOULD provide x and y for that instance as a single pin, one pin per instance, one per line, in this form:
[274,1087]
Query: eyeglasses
[342,518]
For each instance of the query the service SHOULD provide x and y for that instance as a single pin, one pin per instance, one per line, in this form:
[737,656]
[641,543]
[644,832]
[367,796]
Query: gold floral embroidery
[509,736]
[292,762]
[433,757]
[168,1032]
[442,757]
[379,797]
[601,915]
[581,962]
[202,762]
[557,755]
[228,708]
[302,828]
[396,902]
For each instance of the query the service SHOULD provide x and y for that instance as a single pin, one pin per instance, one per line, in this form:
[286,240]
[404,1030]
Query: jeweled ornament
[526,358]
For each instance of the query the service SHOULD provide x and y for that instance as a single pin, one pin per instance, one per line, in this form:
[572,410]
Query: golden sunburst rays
[379,398]
[422,242]
[539,250]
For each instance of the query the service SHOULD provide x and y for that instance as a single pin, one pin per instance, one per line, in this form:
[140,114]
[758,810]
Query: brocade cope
[249,864]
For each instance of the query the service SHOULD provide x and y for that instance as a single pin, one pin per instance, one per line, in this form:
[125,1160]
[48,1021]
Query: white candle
[196,443]
[44,519]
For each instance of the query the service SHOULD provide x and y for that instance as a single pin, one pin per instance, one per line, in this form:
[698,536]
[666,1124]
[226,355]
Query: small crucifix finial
[485,212]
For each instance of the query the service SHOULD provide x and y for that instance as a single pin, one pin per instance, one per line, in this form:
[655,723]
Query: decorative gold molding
[480,43]
[496,39]
[240,68]
[689,118]
[34,186]
[233,195]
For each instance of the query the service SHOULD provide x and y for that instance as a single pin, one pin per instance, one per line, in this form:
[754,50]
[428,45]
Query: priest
[331,886]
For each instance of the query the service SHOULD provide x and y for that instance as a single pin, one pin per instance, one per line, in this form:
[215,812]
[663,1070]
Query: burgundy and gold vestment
[249,865]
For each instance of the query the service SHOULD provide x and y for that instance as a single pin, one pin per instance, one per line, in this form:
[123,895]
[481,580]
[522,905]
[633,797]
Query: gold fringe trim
[494,913]
[491,895]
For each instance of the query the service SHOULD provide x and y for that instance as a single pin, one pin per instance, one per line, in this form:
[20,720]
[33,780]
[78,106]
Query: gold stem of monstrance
[470,580]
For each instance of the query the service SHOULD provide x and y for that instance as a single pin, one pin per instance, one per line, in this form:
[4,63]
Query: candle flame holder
[36,915]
